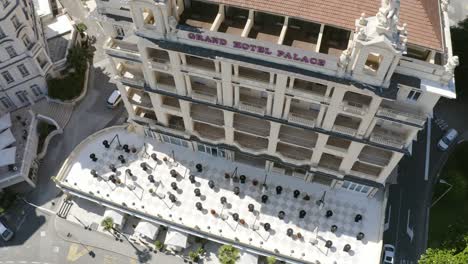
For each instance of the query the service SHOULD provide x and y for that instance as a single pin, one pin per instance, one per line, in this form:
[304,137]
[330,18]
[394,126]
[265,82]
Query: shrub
[228,254]
[158,244]
[271,260]
[107,223]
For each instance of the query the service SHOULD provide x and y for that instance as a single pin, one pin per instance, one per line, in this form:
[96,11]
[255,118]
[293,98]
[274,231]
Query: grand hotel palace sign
[258,49]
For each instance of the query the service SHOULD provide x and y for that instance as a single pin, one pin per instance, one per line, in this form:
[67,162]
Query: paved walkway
[107,242]
[60,112]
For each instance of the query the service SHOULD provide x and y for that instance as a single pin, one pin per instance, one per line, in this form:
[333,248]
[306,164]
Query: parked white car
[5,232]
[114,99]
[447,139]
[389,254]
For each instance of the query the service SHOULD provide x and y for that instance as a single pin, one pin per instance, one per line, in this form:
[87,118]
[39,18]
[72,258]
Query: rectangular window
[22,96]
[11,51]
[27,42]
[15,22]
[175,141]
[2,33]
[6,102]
[213,151]
[351,186]
[5,3]
[413,95]
[36,90]
[23,70]
[7,76]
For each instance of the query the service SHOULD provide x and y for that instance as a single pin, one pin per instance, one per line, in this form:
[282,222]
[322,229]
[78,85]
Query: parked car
[114,99]
[447,139]
[5,232]
[389,253]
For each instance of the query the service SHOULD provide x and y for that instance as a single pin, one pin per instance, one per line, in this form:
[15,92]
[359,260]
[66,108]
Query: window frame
[23,70]
[8,77]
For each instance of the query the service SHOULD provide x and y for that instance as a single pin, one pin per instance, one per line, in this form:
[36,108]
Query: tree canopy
[460,48]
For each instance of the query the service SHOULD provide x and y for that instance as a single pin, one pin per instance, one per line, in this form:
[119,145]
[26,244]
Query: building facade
[333,102]
[24,61]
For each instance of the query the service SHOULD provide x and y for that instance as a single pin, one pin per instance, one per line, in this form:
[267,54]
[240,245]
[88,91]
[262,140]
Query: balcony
[165,82]
[346,125]
[294,153]
[204,89]
[303,113]
[131,75]
[297,136]
[330,163]
[199,15]
[171,103]
[200,65]
[338,144]
[119,48]
[250,142]
[266,27]
[386,136]
[208,115]
[159,59]
[365,171]
[251,125]
[251,100]
[355,103]
[176,123]
[145,115]
[334,40]
[209,132]
[375,156]
[312,90]
[253,77]
[401,112]
[234,21]
[139,97]
[302,34]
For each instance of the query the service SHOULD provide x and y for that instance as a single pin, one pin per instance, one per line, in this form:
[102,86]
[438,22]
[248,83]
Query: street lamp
[446,191]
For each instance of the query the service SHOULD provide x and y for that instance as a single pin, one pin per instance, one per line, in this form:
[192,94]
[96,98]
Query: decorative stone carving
[363,20]
[444,5]
[361,35]
[172,21]
[452,63]
[344,59]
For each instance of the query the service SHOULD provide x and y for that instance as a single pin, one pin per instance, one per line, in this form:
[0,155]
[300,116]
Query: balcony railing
[251,107]
[301,119]
[121,48]
[354,108]
[131,78]
[373,159]
[207,115]
[400,114]
[204,96]
[387,139]
[250,142]
[344,130]
[298,154]
[209,132]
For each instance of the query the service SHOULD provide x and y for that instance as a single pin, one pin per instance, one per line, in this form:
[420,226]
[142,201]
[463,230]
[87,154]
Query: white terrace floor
[75,176]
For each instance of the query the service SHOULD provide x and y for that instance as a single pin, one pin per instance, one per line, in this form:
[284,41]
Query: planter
[242,178]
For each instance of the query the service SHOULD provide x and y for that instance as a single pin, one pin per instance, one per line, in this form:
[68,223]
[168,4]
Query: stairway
[60,112]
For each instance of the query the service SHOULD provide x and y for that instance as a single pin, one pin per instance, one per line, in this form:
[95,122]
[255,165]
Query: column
[321,115]
[334,108]
[236,96]
[353,152]
[156,100]
[269,103]
[147,72]
[219,92]
[278,101]
[287,107]
[369,116]
[228,129]
[179,78]
[185,109]
[318,149]
[396,157]
[226,76]
[370,128]
[188,84]
[273,138]
[412,136]
[319,40]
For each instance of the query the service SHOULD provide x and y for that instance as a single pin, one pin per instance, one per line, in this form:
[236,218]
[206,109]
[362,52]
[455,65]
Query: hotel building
[314,96]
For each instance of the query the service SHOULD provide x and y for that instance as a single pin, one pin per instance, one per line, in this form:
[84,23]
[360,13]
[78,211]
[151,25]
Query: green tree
[271,260]
[81,28]
[460,48]
[228,254]
[108,224]
[446,256]
[78,57]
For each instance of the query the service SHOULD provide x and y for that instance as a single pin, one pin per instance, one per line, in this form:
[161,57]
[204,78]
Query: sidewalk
[107,242]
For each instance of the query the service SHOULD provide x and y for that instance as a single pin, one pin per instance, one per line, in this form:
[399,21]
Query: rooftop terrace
[152,180]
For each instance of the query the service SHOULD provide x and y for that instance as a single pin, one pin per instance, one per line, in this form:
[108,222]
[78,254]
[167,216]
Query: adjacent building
[24,61]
